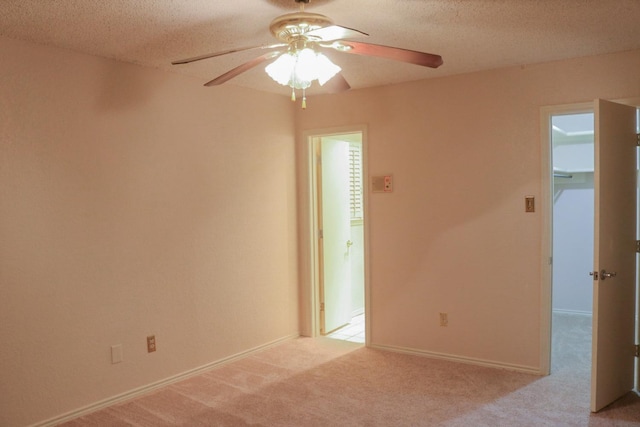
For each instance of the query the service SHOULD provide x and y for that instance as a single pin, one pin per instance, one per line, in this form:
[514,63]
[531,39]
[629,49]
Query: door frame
[546,193]
[308,231]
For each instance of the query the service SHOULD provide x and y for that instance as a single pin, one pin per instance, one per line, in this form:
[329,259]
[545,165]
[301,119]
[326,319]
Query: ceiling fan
[302,38]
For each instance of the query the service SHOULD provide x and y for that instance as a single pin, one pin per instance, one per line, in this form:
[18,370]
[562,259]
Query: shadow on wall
[123,87]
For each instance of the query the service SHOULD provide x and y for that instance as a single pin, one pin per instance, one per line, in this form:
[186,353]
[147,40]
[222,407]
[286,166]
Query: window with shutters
[355,182]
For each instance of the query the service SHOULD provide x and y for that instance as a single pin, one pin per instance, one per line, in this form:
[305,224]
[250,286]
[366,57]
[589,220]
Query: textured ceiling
[471,35]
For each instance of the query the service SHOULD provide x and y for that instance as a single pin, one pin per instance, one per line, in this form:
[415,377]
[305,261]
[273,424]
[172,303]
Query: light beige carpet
[322,382]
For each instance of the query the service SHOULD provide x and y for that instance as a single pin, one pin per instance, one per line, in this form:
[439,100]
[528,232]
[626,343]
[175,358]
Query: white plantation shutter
[355,181]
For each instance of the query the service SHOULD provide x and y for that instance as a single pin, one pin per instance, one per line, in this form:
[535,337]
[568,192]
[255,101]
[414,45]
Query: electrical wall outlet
[444,319]
[151,343]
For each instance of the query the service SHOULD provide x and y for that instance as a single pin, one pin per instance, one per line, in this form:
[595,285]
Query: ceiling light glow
[298,68]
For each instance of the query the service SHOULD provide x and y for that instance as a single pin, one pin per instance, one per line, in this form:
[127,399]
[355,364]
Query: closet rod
[562,175]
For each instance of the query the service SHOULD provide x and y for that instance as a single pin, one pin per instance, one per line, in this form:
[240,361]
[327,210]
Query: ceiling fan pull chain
[293,95]
[304,99]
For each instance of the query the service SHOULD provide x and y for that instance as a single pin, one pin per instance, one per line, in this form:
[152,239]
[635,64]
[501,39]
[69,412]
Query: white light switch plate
[116,354]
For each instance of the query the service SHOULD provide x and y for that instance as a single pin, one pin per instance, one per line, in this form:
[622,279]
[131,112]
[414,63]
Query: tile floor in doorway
[354,331]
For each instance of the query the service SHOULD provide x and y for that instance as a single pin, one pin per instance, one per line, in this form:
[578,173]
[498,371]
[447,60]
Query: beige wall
[453,237]
[135,202]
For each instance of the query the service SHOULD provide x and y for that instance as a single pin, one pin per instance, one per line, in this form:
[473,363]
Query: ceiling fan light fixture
[299,68]
[280,69]
[325,68]
[305,69]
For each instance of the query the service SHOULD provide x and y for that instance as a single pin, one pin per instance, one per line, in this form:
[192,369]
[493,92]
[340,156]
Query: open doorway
[572,144]
[338,235]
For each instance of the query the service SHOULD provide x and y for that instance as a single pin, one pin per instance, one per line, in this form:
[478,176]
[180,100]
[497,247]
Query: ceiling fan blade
[335,32]
[213,55]
[241,69]
[337,84]
[395,53]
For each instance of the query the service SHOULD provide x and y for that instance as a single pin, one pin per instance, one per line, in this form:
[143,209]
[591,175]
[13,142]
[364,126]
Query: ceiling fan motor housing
[294,26]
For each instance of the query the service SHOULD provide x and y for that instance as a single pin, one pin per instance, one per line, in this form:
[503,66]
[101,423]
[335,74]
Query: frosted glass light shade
[326,69]
[299,68]
[280,69]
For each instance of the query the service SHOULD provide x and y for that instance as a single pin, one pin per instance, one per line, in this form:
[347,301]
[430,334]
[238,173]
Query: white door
[335,223]
[614,299]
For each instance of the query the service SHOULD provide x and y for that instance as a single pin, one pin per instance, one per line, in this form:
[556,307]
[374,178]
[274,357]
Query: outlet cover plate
[151,343]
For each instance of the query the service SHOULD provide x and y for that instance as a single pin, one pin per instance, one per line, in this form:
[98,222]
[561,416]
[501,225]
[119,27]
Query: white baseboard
[357,312]
[461,359]
[575,312]
[153,386]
